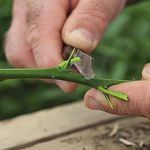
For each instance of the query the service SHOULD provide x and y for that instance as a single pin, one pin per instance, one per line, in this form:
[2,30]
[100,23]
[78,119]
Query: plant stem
[62,72]
[67,65]
[67,75]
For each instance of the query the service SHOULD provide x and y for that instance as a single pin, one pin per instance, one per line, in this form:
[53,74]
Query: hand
[138,93]
[38,27]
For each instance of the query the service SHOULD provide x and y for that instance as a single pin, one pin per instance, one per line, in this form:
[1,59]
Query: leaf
[108,100]
[119,95]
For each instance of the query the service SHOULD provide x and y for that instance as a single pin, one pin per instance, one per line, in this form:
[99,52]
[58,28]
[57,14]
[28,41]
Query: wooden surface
[97,138]
[46,129]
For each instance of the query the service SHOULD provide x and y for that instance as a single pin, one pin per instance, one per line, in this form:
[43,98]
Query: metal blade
[85,65]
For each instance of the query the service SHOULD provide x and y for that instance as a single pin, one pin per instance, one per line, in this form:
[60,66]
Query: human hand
[138,93]
[38,27]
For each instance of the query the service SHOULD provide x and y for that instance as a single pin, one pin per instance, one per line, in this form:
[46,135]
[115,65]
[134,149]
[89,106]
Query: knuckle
[97,12]
[100,15]
[33,36]
[100,19]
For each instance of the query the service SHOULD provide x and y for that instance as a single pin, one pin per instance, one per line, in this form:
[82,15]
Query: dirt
[128,134]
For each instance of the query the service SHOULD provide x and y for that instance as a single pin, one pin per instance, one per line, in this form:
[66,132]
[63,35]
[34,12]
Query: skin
[40,28]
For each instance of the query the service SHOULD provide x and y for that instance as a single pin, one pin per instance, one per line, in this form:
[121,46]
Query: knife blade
[85,65]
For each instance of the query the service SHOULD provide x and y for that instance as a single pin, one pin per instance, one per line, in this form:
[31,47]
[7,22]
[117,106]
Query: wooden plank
[33,128]
[135,130]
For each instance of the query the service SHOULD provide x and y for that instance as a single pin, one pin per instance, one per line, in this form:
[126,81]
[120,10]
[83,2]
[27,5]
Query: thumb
[138,96]
[87,23]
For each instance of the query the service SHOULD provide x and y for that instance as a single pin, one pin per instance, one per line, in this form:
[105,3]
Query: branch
[62,72]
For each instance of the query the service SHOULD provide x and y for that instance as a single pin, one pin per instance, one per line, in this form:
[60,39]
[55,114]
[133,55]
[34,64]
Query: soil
[128,134]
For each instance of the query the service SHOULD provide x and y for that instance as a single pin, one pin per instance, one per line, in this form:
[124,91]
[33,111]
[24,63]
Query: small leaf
[68,63]
[119,95]
[74,60]
[108,100]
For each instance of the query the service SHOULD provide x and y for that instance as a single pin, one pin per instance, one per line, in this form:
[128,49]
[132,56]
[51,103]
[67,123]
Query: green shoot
[62,72]
[69,60]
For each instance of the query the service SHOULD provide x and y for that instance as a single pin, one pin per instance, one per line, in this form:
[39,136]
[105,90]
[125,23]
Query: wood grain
[97,138]
[48,124]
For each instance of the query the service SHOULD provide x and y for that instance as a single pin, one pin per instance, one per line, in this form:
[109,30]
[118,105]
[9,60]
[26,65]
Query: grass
[121,54]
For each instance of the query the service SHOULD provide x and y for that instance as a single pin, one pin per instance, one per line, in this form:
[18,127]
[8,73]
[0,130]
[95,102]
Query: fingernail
[94,104]
[97,101]
[80,38]
[99,96]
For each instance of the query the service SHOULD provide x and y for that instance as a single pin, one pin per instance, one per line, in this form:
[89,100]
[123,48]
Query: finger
[17,50]
[45,21]
[146,72]
[87,23]
[138,95]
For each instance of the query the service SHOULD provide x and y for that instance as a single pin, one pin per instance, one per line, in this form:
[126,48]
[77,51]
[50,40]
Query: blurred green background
[121,54]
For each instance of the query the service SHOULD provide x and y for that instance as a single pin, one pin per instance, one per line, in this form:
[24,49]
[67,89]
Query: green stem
[72,61]
[114,93]
[62,72]
[68,63]
[67,75]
